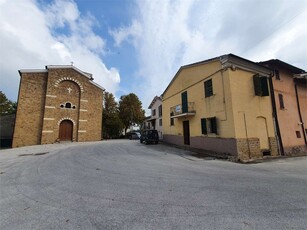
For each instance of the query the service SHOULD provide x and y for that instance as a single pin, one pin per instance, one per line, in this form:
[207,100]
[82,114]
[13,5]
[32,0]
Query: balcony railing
[179,111]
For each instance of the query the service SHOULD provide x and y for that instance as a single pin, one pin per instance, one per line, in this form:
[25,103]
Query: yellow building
[222,105]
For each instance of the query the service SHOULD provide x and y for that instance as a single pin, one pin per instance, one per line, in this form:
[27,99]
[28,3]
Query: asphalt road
[127,185]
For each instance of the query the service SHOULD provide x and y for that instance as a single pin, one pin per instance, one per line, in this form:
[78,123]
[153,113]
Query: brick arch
[56,84]
[66,118]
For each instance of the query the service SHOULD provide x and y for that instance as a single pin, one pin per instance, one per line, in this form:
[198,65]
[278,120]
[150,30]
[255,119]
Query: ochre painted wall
[244,121]
[246,104]
[192,80]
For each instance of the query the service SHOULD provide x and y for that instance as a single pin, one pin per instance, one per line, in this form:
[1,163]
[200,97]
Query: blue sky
[138,45]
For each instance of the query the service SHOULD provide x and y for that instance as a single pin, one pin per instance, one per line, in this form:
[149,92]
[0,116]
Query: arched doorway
[66,130]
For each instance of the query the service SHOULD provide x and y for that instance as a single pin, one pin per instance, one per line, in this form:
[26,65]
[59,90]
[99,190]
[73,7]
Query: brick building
[59,103]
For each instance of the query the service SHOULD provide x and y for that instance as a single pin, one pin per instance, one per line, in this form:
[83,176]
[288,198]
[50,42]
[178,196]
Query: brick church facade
[59,103]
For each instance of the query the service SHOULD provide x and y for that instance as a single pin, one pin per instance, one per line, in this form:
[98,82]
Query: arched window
[68,105]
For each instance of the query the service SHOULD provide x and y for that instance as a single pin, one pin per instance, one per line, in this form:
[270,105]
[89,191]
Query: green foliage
[6,106]
[130,110]
[112,124]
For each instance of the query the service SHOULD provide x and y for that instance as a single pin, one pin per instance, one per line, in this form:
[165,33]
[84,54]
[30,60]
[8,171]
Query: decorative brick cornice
[56,84]
[66,118]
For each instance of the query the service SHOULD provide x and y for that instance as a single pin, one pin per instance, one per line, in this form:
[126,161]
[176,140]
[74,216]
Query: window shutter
[184,102]
[264,86]
[260,85]
[257,85]
[208,88]
[203,126]
[213,125]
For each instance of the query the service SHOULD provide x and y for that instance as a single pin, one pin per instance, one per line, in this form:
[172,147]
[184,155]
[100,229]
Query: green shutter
[184,102]
[204,126]
[264,86]
[257,85]
[213,125]
[208,88]
[261,85]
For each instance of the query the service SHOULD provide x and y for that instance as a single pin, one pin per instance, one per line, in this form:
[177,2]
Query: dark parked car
[134,135]
[149,136]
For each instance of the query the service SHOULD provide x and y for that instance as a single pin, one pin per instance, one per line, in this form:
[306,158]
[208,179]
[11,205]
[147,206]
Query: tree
[6,106]
[112,124]
[130,110]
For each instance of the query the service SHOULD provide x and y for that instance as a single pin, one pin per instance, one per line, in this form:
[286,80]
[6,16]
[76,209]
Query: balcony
[180,111]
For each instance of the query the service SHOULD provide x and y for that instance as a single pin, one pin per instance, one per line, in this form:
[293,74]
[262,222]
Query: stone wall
[248,148]
[46,99]
[30,109]
[296,151]
[273,146]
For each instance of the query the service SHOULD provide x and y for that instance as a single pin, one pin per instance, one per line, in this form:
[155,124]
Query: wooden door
[66,130]
[186,132]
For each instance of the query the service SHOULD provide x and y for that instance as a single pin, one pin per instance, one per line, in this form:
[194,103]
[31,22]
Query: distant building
[221,105]
[155,120]
[59,103]
[146,123]
[290,97]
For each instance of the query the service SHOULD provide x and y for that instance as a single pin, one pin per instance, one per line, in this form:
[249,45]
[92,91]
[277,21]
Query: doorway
[66,130]
[186,132]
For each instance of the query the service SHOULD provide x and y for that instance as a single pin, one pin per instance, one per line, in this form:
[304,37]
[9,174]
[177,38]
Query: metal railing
[177,109]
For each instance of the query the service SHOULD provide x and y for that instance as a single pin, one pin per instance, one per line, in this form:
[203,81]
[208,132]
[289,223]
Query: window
[172,119]
[298,134]
[160,122]
[281,101]
[261,85]
[160,110]
[154,112]
[68,105]
[276,73]
[208,125]
[208,88]
[204,126]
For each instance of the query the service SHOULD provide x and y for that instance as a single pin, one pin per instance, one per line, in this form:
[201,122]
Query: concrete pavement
[123,184]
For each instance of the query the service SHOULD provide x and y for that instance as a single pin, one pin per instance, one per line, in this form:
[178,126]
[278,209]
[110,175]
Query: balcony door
[184,102]
[186,132]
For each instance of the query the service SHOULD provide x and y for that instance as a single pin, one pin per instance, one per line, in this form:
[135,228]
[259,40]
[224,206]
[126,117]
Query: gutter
[299,113]
[275,119]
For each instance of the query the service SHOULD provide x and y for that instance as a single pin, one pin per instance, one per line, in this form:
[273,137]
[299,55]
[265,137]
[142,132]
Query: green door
[184,102]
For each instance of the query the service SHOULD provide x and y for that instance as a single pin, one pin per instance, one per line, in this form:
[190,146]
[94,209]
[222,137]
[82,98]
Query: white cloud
[174,33]
[126,33]
[36,38]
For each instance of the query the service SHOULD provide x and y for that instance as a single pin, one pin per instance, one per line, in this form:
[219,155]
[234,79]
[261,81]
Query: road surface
[122,184]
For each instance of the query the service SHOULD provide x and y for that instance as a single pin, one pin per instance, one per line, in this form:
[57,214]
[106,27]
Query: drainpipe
[299,113]
[275,119]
